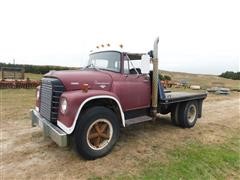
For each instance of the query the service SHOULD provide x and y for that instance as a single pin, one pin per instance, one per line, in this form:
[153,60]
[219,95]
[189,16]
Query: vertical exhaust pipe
[155,79]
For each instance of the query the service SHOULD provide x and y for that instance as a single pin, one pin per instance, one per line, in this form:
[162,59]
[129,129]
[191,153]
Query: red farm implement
[12,84]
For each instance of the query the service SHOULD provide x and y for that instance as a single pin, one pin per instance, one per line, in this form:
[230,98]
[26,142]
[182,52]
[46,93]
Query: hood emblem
[102,86]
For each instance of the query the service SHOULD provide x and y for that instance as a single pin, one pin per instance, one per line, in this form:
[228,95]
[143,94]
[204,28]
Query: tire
[188,114]
[175,115]
[96,133]
[163,110]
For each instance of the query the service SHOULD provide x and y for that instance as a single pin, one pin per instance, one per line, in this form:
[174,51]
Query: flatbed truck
[88,106]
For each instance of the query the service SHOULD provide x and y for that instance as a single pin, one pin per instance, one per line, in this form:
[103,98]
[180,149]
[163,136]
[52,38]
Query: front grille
[51,90]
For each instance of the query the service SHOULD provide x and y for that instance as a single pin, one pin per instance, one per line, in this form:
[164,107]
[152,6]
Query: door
[134,90]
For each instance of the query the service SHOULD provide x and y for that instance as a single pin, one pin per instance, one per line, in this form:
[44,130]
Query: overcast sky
[195,36]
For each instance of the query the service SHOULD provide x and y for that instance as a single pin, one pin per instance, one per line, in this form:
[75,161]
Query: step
[137,120]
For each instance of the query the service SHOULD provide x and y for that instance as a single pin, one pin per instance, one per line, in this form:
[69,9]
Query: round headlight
[63,106]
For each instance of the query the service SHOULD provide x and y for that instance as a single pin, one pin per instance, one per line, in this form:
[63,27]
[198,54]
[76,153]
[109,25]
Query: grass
[194,161]
[33,76]
[15,104]
[198,161]
[203,80]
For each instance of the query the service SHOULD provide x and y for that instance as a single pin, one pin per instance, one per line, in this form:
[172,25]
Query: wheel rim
[99,134]
[192,111]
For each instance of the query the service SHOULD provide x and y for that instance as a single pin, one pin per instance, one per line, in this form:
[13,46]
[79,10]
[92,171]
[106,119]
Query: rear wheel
[175,115]
[188,114]
[96,133]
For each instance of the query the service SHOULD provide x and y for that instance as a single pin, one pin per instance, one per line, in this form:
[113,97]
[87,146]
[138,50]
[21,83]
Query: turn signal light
[85,88]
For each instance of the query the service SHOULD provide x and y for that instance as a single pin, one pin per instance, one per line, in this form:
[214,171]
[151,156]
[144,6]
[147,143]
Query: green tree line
[36,69]
[231,75]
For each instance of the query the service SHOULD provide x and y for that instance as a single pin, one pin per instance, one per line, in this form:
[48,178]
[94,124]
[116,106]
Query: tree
[168,78]
[161,77]
[230,75]
[35,68]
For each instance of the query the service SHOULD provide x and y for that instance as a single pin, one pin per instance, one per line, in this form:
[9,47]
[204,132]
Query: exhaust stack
[155,79]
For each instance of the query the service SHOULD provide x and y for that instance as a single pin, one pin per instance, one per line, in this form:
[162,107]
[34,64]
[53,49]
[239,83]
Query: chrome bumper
[49,129]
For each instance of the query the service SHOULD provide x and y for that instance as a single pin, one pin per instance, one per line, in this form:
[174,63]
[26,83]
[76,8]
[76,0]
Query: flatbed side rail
[183,99]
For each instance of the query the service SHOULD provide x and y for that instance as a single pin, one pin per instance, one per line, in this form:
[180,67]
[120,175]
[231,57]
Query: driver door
[135,90]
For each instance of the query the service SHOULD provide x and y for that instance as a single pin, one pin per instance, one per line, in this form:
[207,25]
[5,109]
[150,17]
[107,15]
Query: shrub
[164,77]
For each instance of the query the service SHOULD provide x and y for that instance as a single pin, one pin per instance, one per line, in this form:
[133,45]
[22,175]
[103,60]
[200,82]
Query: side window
[135,67]
[132,66]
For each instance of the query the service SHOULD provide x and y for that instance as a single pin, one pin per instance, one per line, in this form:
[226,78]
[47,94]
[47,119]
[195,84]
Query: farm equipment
[195,87]
[14,84]
[13,77]
[219,90]
[117,89]
[12,73]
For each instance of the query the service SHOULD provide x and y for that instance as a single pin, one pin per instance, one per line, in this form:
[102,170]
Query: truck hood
[74,79]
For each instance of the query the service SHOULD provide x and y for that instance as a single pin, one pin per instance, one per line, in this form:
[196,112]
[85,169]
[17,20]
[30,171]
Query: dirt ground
[25,154]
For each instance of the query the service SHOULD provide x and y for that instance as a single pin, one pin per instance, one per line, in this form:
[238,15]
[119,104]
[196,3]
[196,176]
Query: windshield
[108,60]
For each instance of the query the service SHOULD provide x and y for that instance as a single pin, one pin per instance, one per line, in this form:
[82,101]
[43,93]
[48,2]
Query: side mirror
[150,53]
[145,64]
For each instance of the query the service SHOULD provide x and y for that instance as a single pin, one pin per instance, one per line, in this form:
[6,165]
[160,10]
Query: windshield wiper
[92,66]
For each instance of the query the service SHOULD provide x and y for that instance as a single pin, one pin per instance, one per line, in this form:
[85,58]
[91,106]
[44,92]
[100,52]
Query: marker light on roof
[107,46]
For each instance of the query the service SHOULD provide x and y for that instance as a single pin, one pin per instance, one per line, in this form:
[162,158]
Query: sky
[196,36]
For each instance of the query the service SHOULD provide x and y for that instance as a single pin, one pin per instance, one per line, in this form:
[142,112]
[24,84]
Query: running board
[137,120]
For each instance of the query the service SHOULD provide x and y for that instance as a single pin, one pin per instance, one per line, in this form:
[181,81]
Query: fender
[78,99]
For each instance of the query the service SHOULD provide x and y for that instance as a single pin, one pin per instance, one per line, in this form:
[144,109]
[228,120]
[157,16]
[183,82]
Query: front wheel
[96,133]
